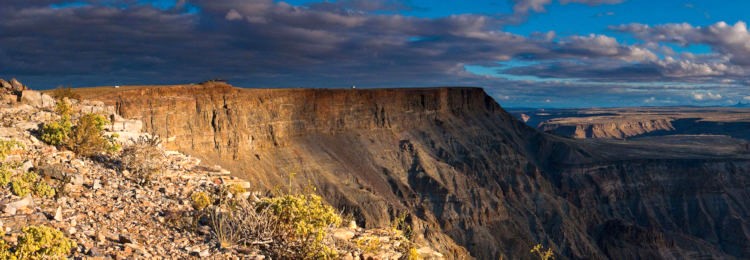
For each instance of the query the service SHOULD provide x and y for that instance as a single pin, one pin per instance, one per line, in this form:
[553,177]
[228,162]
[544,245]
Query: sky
[525,53]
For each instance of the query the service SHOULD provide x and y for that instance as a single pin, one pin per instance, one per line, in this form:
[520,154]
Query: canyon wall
[617,129]
[475,181]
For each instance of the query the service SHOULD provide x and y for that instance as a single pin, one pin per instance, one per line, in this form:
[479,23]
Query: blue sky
[525,53]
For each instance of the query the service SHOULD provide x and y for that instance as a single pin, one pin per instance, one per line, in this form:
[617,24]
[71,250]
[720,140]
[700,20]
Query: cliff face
[472,177]
[618,129]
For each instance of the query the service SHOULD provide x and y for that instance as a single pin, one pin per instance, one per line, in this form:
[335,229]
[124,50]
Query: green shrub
[235,189]
[42,242]
[200,200]
[22,185]
[412,254]
[87,137]
[5,175]
[42,189]
[303,222]
[539,251]
[368,244]
[6,146]
[57,133]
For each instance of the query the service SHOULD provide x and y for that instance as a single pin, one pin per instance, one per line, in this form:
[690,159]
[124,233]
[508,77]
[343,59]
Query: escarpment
[475,181]
[618,129]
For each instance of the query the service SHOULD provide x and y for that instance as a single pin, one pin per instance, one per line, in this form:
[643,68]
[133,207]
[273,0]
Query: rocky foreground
[108,213]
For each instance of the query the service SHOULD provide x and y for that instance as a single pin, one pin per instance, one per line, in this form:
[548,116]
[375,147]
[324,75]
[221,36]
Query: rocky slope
[108,214]
[474,180]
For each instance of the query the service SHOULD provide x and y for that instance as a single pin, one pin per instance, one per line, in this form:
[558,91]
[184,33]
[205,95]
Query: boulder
[37,99]
[5,85]
[17,86]
[12,207]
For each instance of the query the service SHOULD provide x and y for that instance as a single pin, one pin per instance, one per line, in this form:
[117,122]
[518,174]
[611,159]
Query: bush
[413,254]
[539,251]
[144,158]
[61,93]
[303,222]
[42,242]
[5,175]
[368,244]
[200,200]
[87,137]
[21,185]
[57,133]
[235,190]
[6,146]
[30,183]
[42,189]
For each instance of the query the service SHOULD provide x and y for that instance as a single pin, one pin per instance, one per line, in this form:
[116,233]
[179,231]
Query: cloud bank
[265,43]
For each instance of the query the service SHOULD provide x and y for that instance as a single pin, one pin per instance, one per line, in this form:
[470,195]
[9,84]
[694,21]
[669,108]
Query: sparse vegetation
[65,92]
[413,254]
[543,254]
[400,225]
[143,158]
[7,146]
[368,244]
[86,138]
[235,189]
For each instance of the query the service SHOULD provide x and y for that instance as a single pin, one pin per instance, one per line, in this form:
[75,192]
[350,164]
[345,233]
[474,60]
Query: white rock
[12,207]
[58,214]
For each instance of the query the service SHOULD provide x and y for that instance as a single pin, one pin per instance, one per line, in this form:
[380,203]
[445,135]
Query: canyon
[474,181]
[634,122]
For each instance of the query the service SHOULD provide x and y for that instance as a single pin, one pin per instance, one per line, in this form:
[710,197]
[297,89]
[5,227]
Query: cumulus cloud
[525,6]
[730,40]
[706,96]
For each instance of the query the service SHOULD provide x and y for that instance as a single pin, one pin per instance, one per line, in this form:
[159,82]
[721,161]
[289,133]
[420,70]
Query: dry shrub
[303,223]
[87,137]
[143,158]
[65,92]
[286,227]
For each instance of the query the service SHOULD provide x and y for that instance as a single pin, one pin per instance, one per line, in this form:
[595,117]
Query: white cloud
[706,96]
[233,15]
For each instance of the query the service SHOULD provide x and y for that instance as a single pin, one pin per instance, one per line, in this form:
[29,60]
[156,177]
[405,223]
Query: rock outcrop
[469,174]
